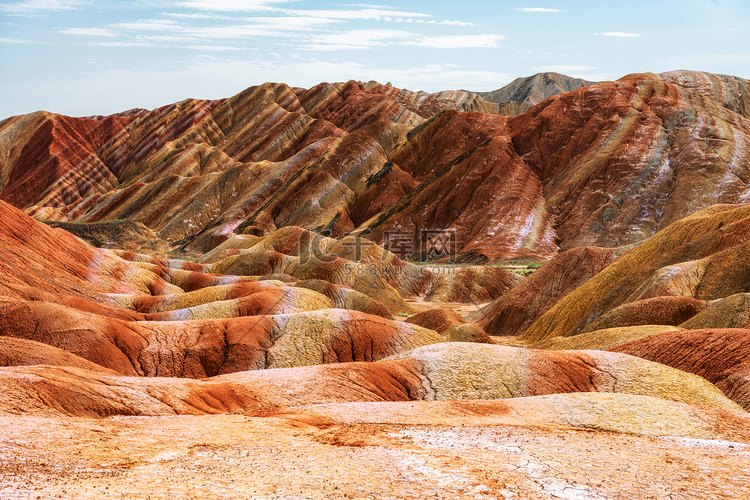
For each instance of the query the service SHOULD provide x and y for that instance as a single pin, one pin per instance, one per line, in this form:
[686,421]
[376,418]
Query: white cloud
[122,44]
[258,27]
[356,39]
[240,31]
[367,39]
[458,41]
[367,5]
[231,5]
[150,25]
[367,13]
[18,41]
[201,15]
[86,31]
[618,34]
[364,12]
[211,48]
[34,6]
[536,9]
[450,23]
[168,38]
[293,23]
[330,47]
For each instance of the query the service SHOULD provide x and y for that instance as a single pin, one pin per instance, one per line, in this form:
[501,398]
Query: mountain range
[608,164]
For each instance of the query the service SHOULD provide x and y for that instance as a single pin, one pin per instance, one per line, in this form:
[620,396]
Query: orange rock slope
[139,315]
[103,312]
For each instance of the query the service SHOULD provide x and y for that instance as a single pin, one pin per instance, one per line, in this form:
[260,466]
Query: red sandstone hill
[606,165]
[139,315]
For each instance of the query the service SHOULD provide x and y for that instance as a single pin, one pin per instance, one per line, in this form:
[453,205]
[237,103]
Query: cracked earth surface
[298,457]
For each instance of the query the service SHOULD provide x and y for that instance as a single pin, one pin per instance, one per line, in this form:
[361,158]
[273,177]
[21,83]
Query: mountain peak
[525,92]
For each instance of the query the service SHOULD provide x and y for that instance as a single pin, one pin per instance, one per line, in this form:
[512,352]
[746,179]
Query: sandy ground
[289,457]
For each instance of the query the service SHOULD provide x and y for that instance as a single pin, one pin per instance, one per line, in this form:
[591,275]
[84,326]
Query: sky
[85,57]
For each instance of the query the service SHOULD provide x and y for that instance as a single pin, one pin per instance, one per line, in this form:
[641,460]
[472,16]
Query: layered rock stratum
[325,293]
[608,164]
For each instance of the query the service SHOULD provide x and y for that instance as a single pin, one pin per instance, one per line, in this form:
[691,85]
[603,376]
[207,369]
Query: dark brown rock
[437,319]
[655,311]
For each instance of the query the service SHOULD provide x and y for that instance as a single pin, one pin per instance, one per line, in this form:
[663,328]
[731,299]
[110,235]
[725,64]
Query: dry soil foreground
[302,455]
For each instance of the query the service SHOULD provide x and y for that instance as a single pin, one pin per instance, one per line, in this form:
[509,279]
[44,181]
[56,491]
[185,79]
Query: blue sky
[81,57]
